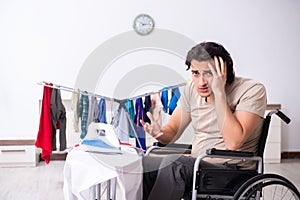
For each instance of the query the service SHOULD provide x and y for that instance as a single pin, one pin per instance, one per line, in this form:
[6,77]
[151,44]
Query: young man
[226,112]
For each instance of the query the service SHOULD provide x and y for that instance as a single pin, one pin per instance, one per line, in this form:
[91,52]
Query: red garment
[44,137]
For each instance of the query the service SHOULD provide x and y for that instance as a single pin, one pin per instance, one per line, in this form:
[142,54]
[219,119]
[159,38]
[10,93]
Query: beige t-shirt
[243,94]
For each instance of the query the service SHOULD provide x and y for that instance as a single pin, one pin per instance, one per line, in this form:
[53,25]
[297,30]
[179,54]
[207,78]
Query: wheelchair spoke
[277,192]
[268,187]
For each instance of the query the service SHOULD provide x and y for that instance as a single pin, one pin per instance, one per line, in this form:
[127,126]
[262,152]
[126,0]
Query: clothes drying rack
[120,101]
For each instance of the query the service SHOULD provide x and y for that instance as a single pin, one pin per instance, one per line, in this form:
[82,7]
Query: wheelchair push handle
[280,114]
[285,118]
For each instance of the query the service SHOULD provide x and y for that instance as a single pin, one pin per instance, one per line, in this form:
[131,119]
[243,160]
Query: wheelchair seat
[208,181]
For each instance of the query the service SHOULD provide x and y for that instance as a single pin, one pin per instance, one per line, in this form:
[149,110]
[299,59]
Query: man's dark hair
[206,51]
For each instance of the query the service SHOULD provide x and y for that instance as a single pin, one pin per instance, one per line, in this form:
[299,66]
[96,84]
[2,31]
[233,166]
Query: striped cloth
[83,112]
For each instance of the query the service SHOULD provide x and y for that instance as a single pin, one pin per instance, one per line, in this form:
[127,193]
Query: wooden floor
[45,182]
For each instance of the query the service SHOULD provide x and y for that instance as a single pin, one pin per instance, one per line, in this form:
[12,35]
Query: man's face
[202,76]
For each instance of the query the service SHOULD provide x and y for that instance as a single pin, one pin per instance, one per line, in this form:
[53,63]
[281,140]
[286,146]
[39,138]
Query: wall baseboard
[16,142]
[290,155]
[58,156]
[55,156]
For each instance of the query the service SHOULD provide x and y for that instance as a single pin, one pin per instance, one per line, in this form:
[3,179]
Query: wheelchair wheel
[267,186]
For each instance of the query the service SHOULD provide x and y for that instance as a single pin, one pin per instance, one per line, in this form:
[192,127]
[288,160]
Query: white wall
[50,40]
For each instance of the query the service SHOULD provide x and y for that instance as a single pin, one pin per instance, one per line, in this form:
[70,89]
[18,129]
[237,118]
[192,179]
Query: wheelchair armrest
[172,148]
[173,145]
[229,153]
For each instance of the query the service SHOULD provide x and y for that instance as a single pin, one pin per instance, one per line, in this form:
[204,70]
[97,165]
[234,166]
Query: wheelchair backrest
[265,129]
[263,136]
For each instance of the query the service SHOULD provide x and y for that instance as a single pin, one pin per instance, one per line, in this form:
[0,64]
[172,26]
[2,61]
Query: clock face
[143,24]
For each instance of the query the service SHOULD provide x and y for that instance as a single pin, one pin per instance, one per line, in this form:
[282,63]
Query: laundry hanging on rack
[59,120]
[93,112]
[83,113]
[121,124]
[44,136]
[127,114]
[130,110]
[102,111]
[140,115]
[147,107]
[75,105]
[174,98]
[165,99]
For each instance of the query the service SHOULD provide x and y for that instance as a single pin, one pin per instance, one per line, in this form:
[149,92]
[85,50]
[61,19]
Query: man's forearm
[229,126]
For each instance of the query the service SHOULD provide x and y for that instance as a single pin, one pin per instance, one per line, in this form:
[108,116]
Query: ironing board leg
[98,191]
[114,182]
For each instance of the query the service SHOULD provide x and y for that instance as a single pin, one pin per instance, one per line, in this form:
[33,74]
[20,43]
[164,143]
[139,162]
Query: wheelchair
[236,184]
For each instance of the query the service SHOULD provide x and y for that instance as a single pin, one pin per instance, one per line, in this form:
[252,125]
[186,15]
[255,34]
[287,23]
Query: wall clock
[143,24]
